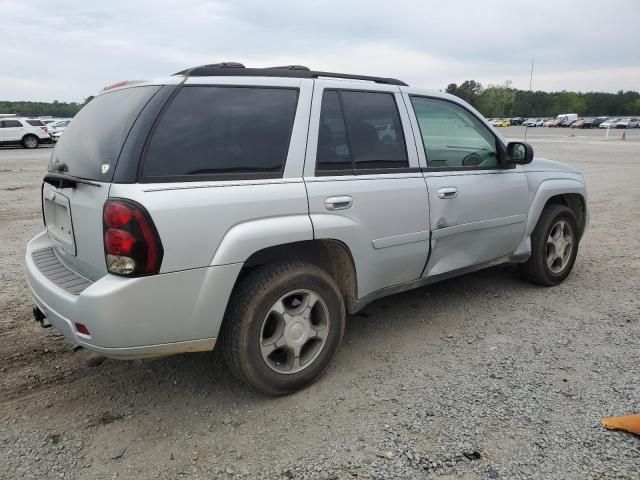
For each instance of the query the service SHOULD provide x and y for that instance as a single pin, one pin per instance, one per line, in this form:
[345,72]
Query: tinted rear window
[217,132]
[91,143]
[35,123]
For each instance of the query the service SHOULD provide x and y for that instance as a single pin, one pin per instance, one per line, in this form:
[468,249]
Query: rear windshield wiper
[63,180]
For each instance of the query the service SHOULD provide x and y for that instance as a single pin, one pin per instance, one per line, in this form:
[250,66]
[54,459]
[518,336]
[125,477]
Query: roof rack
[235,69]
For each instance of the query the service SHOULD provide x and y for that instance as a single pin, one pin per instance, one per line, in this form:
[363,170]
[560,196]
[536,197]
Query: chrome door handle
[338,203]
[447,192]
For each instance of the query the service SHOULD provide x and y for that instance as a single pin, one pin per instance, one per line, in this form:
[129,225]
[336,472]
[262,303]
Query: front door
[478,204]
[363,181]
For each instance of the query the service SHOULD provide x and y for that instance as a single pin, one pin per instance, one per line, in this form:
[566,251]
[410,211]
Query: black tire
[250,304]
[537,269]
[30,141]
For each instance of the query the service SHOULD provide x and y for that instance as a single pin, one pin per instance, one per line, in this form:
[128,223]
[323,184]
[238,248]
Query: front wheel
[554,246]
[283,326]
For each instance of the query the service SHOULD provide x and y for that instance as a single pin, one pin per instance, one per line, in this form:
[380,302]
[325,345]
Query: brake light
[132,246]
[115,85]
[44,128]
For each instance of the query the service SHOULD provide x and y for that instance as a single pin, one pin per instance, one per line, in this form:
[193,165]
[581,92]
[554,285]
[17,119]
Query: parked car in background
[609,123]
[567,117]
[517,121]
[580,123]
[55,129]
[133,274]
[28,132]
[501,122]
[549,122]
[533,122]
[626,123]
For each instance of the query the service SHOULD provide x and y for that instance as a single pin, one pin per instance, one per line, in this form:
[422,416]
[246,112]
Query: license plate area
[57,215]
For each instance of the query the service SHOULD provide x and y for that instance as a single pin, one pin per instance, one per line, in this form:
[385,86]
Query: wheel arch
[562,191]
[576,202]
[333,256]
[567,191]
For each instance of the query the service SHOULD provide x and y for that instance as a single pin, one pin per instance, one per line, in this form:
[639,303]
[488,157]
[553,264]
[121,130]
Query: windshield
[92,142]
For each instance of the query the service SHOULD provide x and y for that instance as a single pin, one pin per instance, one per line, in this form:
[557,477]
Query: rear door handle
[338,203]
[447,192]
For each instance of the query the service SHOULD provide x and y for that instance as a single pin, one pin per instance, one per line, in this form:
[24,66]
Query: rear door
[363,182]
[478,205]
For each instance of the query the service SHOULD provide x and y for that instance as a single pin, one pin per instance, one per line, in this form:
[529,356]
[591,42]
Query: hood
[543,165]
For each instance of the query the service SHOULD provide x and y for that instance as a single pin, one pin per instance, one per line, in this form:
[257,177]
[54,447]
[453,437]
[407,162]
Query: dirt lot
[484,376]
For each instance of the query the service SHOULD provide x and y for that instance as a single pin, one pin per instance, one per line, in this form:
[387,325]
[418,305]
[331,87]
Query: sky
[66,50]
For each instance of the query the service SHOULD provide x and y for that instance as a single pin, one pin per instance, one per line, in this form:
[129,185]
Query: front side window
[360,131]
[207,130]
[452,136]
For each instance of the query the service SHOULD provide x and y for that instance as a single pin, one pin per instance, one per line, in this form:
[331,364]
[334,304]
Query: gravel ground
[480,377]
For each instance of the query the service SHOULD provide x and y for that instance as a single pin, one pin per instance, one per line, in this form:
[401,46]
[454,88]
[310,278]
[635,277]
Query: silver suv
[258,207]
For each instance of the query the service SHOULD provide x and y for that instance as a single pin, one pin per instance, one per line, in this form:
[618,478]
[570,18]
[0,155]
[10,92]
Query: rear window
[216,132]
[91,143]
[35,123]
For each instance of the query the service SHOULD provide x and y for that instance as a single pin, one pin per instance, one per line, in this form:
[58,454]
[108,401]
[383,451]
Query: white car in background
[609,123]
[56,128]
[626,123]
[28,132]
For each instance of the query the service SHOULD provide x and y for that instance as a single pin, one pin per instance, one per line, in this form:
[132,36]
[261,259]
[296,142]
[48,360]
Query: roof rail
[291,67]
[234,69]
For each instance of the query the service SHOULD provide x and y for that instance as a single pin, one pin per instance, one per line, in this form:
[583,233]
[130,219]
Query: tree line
[43,109]
[505,101]
[492,101]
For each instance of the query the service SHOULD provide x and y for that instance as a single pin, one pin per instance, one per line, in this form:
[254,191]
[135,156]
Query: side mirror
[519,153]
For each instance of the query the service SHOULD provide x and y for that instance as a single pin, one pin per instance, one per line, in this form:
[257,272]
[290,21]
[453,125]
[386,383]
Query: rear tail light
[132,246]
[44,128]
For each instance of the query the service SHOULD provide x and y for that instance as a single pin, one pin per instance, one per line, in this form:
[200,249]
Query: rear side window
[360,131]
[35,123]
[218,132]
[11,123]
[92,143]
[333,149]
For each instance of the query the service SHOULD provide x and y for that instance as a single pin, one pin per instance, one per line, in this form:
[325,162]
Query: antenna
[530,85]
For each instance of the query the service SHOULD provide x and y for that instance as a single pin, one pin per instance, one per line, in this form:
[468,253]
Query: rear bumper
[136,317]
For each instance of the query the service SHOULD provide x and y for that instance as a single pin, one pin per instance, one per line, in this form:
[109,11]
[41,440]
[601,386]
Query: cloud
[68,49]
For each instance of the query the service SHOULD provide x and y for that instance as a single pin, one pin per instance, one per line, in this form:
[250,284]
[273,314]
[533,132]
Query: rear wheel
[30,141]
[554,246]
[283,326]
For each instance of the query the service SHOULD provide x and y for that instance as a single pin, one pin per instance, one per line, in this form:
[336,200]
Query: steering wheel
[476,160]
[472,160]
